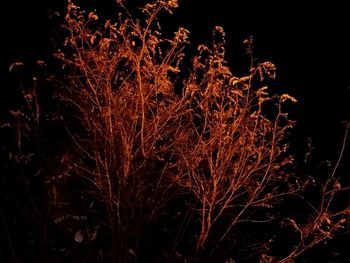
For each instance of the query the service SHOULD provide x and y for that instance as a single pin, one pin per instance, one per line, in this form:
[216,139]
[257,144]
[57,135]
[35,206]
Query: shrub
[170,157]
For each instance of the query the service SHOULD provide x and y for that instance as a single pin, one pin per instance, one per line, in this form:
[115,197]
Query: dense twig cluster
[149,134]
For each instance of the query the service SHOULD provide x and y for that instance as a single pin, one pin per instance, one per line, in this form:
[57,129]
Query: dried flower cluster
[153,139]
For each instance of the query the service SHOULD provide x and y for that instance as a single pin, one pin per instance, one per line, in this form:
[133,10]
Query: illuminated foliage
[156,135]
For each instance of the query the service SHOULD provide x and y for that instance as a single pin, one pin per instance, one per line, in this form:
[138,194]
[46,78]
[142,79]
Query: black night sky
[308,43]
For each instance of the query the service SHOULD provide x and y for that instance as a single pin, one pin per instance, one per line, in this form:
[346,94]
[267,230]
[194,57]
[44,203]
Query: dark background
[307,42]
